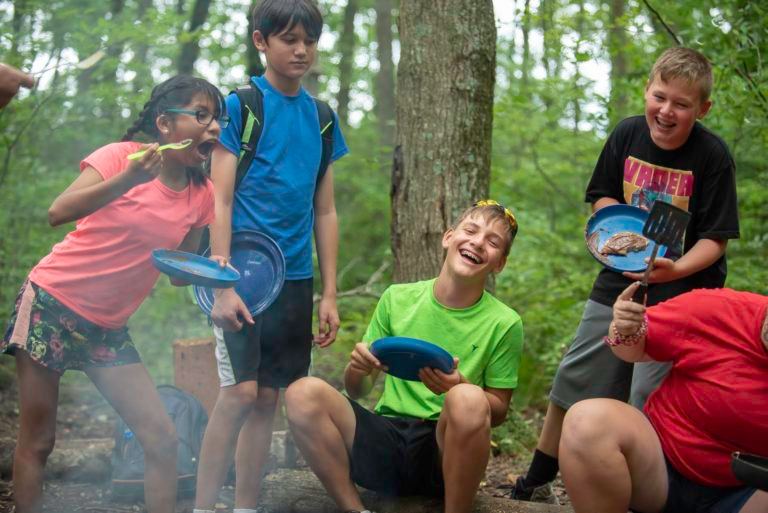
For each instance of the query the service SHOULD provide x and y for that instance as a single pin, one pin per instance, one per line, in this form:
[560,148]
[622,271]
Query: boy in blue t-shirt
[284,196]
[429,437]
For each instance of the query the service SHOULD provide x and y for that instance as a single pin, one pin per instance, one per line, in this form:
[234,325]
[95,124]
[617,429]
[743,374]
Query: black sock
[543,470]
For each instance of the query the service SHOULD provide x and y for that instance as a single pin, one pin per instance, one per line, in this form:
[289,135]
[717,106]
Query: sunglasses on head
[507,213]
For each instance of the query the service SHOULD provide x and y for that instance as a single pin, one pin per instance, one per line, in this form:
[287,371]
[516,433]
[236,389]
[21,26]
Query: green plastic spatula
[170,146]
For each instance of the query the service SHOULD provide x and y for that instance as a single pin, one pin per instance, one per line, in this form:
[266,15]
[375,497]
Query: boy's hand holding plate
[437,381]
[406,357]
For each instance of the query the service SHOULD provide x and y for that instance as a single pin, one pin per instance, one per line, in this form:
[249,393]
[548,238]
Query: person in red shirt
[676,457]
[72,311]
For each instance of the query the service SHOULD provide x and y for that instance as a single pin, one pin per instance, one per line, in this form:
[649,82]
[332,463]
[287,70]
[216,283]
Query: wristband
[617,339]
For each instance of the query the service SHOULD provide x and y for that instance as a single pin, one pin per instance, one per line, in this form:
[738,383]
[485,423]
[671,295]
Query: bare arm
[223,169]
[603,202]
[11,79]
[361,372]
[703,254]
[229,311]
[499,399]
[327,241]
[628,318]
[89,192]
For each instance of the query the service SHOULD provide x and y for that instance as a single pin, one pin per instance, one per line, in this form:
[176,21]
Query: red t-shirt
[715,399]
[103,269]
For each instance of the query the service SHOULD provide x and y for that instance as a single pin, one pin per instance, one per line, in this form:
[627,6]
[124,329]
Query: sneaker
[543,493]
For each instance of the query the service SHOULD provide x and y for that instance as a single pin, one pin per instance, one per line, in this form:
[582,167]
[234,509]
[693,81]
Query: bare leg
[38,403]
[611,459]
[323,425]
[549,439]
[758,503]
[130,390]
[233,405]
[253,448]
[464,438]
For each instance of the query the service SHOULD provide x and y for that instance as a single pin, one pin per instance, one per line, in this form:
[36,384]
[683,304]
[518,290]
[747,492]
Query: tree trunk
[190,49]
[385,78]
[617,43]
[20,8]
[346,64]
[445,84]
[140,62]
[525,69]
[254,66]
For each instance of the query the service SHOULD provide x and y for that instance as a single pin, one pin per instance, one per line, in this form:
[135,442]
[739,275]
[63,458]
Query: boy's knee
[241,396]
[303,398]
[467,407]
[587,425]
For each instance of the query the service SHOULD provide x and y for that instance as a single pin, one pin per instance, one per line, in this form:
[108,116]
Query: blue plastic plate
[406,356]
[194,269]
[611,220]
[261,264]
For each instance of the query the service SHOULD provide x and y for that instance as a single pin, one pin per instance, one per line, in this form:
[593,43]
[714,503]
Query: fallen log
[299,491]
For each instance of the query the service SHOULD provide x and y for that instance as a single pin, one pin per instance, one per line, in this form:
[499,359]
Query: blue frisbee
[194,269]
[261,264]
[607,222]
[406,356]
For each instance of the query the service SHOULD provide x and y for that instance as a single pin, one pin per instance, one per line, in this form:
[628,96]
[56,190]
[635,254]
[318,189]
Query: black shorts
[396,456]
[686,496]
[276,350]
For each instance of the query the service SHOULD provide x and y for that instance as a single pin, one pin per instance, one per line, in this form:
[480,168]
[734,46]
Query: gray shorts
[590,370]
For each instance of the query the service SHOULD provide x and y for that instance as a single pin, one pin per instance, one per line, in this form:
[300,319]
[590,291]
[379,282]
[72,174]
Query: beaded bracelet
[627,340]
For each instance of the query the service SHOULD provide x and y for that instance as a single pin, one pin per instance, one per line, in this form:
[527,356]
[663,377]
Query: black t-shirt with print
[699,177]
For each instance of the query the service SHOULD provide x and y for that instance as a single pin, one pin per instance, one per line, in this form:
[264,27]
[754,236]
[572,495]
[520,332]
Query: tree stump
[194,369]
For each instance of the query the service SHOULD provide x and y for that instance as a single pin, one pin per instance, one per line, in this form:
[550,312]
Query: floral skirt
[58,338]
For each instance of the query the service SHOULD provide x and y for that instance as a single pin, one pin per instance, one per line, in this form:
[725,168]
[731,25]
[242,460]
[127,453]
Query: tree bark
[617,43]
[20,8]
[525,69]
[346,64]
[385,78]
[254,67]
[445,84]
[190,49]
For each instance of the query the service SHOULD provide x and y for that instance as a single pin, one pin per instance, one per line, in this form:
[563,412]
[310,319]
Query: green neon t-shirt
[487,338]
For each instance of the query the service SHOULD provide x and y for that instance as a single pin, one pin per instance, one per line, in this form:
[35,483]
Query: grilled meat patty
[622,243]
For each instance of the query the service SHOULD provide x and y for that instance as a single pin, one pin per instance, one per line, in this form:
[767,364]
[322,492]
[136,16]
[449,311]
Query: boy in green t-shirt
[430,437]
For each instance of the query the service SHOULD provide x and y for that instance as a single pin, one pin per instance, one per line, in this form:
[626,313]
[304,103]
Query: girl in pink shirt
[72,311]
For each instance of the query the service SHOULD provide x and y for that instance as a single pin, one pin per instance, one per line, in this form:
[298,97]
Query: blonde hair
[684,64]
[491,211]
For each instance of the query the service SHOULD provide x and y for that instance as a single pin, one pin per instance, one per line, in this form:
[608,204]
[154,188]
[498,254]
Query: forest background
[566,72]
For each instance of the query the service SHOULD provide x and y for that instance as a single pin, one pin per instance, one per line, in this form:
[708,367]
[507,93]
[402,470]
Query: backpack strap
[327,122]
[252,114]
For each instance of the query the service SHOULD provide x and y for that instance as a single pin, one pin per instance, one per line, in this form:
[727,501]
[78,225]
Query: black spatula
[665,226]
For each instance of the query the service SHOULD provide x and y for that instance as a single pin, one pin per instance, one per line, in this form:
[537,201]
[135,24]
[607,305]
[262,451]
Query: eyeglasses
[202,116]
[507,213]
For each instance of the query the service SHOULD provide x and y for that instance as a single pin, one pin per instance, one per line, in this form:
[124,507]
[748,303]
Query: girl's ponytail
[139,124]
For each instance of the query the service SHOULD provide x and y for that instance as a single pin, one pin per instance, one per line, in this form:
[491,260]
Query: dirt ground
[83,414]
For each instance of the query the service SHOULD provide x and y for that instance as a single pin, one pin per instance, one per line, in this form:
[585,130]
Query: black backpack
[252,116]
[189,418]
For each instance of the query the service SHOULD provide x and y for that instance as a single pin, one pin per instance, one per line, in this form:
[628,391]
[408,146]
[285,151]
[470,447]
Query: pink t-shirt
[103,269]
[715,399]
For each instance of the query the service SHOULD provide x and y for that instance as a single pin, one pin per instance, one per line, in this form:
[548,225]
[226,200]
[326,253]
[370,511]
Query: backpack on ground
[189,418]
[252,116]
